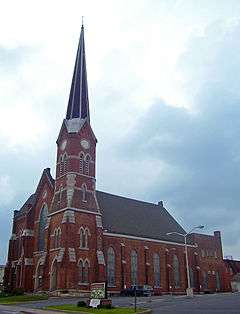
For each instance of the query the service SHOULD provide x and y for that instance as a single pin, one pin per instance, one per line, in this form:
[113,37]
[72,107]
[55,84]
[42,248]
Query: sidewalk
[25,310]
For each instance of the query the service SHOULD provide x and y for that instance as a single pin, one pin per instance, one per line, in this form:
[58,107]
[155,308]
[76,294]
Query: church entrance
[53,279]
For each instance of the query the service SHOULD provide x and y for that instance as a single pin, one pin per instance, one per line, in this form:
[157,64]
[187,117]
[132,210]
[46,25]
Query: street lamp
[189,289]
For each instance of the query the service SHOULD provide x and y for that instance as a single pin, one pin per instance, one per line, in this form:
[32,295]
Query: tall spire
[78,105]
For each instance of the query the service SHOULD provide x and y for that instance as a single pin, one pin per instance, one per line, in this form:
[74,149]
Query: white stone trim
[60,255]
[28,233]
[99,222]
[118,235]
[100,257]
[28,261]
[77,173]
[71,254]
[76,210]
[68,217]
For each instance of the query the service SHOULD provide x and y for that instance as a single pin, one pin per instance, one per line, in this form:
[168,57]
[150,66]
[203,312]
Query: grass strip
[75,308]
[22,298]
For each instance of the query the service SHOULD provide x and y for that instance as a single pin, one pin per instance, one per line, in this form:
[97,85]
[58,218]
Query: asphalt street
[209,304]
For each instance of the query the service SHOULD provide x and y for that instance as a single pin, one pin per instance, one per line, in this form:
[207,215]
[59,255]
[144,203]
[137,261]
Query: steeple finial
[78,105]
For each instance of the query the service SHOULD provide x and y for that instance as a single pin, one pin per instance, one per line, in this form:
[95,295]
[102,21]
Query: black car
[141,291]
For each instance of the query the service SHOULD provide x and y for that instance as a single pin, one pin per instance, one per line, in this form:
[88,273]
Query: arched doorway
[53,279]
[39,276]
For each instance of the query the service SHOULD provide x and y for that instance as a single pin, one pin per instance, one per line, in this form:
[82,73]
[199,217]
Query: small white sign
[94,303]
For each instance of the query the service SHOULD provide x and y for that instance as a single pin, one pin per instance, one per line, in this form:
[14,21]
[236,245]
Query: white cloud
[7,192]
[132,49]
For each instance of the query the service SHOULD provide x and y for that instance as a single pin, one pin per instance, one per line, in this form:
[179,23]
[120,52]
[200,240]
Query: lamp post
[184,235]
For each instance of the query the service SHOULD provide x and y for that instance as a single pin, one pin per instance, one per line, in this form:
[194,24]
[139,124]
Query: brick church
[68,235]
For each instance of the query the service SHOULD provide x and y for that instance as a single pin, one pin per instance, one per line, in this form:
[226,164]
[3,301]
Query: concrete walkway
[24,310]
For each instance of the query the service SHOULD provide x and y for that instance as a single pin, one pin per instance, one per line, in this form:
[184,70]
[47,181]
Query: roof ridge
[129,198]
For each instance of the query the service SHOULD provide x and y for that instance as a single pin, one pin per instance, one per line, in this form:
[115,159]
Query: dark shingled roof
[137,218]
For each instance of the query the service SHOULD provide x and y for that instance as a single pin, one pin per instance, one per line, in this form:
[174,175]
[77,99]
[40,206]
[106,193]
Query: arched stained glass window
[156,270]
[111,266]
[42,225]
[176,271]
[134,267]
[86,272]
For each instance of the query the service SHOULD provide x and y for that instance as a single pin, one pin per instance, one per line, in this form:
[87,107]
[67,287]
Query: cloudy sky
[164,79]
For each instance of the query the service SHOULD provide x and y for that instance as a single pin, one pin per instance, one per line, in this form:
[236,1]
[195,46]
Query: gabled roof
[33,198]
[127,216]
[26,206]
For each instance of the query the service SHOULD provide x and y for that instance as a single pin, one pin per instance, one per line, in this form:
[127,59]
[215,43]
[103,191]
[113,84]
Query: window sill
[83,283]
[84,248]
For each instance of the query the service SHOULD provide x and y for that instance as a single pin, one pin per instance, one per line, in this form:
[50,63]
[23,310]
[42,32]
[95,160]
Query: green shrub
[81,304]
[106,306]
[18,291]
[3,294]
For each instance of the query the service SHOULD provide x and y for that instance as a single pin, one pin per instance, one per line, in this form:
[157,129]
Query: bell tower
[78,260]
[76,145]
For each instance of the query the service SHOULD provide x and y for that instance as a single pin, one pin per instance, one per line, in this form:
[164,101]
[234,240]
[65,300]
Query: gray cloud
[200,147]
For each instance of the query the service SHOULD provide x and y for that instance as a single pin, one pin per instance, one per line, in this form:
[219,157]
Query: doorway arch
[53,278]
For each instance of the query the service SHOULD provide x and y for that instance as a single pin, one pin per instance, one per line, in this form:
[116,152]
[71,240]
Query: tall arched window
[87,164]
[111,267]
[156,270]
[86,272]
[176,271]
[82,238]
[84,189]
[80,274]
[42,225]
[81,163]
[39,279]
[84,235]
[87,234]
[134,267]
[58,237]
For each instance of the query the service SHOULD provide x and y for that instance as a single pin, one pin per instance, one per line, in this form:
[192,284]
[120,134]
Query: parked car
[141,291]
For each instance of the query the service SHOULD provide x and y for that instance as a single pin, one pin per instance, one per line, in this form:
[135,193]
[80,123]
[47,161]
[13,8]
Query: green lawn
[75,308]
[22,298]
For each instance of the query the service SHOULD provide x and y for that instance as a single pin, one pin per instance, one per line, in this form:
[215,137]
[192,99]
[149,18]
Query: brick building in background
[68,235]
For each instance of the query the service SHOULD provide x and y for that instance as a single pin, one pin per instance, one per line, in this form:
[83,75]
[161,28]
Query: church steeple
[78,105]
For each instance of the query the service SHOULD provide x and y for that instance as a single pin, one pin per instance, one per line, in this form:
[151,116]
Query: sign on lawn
[94,303]
[97,290]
